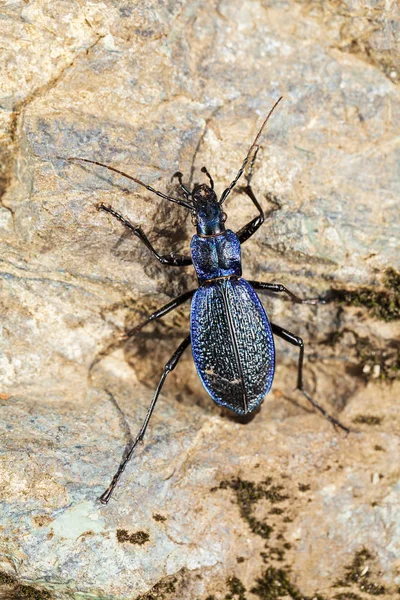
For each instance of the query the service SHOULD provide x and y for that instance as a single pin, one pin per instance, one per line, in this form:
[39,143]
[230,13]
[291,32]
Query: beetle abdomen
[232,344]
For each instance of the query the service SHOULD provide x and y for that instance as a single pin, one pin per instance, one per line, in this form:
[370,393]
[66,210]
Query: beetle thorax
[210,218]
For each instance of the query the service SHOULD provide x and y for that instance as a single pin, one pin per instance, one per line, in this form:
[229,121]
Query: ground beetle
[231,336]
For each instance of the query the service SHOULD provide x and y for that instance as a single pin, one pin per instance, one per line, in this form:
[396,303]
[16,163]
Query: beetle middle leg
[279,288]
[297,341]
[161,312]
[170,366]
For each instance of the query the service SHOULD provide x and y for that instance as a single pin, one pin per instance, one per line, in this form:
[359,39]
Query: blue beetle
[231,336]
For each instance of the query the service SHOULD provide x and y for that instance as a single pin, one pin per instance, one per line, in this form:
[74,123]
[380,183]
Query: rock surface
[209,508]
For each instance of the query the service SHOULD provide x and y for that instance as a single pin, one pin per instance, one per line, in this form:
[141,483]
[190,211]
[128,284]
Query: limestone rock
[209,508]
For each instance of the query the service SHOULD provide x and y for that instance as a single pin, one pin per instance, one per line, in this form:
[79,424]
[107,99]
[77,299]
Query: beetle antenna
[228,190]
[148,187]
[204,170]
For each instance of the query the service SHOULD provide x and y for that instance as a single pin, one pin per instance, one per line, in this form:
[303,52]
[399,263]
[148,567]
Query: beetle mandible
[231,336]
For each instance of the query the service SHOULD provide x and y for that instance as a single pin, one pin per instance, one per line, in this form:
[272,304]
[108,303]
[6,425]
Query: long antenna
[148,187]
[228,190]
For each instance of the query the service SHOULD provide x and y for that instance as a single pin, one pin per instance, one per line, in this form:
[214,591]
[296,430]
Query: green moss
[347,596]
[287,520]
[248,494]
[236,589]
[138,537]
[6,579]
[303,487]
[161,590]
[357,574]
[387,359]
[375,589]
[159,518]
[275,510]
[383,304]
[378,362]
[275,583]
[354,570]
[287,545]
[391,279]
[277,554]
[367,420]
[20,591]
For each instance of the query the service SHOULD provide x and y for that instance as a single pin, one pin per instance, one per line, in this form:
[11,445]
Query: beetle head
[209,217]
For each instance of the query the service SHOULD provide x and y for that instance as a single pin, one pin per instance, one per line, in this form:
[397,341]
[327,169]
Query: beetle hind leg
[129,450]
[297,341]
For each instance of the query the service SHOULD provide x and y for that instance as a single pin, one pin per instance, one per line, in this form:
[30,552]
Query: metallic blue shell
[232,344]
[216,256]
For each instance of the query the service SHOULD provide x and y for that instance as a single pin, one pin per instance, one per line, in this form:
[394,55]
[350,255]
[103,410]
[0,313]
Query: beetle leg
[170,366]
[248,230]
[161,312]
[174,260]
[121,339]
[297,341]
[279,288]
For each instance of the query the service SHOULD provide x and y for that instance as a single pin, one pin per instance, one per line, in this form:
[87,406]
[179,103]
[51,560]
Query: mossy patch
[138,537]
[236,589]
[275,583]
[161,590]
[379,363]
[21,591]
[367,420]
[382,304]
[248,494]
[358,574]
[304,487]
[159,518]
[376,362]
[272,585]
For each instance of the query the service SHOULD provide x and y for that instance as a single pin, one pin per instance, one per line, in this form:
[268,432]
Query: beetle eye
[194,220]
[224,217]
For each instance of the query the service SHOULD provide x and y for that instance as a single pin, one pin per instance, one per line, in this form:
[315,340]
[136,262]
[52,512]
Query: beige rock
[209,508]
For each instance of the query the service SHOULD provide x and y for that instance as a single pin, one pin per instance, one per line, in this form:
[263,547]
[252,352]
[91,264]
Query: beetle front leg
[298,342]
[248,230]
[170,366]
[174,260]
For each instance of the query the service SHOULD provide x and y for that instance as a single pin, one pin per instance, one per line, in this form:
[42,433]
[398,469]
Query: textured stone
[208,508]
